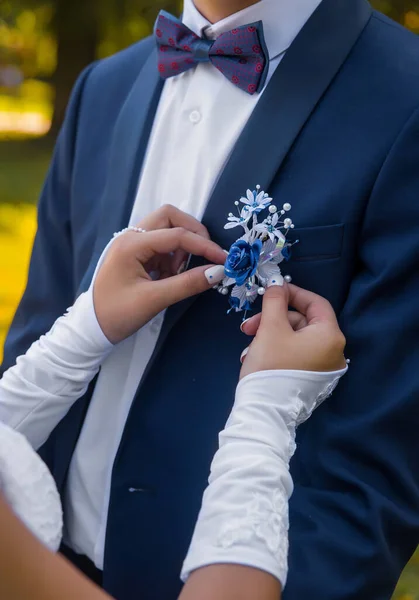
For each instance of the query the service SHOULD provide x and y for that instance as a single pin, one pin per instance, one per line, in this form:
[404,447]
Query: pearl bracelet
[136,229]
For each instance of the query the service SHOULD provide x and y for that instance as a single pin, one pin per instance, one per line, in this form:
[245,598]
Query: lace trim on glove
[306,411]
[266,519]
[303,413]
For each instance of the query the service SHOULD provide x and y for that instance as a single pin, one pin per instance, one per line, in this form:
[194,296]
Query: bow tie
[240,54]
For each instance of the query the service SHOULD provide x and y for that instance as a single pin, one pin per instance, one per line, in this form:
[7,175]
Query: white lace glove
[29,488]
[40,389]
[244,515]
[35,395]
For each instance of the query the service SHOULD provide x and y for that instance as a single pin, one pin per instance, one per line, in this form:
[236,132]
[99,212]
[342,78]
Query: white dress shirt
[244,514]
[199,119]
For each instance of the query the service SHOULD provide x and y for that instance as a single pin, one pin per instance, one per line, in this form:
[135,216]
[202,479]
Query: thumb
[275,309]
[193,282]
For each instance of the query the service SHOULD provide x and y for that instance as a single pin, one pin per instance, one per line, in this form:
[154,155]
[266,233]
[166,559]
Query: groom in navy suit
[333,129]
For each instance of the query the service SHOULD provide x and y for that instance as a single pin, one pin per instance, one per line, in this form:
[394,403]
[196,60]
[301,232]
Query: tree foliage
[54,40]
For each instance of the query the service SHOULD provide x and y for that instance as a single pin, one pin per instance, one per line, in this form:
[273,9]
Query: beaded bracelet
[136,229]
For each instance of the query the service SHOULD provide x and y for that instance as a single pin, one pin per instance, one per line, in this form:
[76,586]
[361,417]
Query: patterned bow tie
[240,54]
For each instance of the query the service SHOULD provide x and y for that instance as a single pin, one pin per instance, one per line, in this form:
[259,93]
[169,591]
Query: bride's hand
[306,340]
[125,295]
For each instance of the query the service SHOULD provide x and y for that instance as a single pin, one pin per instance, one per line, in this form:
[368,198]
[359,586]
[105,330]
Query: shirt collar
[282,21]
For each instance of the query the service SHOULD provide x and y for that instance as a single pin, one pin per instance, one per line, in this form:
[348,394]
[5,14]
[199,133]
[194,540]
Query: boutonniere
[253,260]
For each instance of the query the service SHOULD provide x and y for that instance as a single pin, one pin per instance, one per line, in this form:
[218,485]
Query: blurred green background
[44,44]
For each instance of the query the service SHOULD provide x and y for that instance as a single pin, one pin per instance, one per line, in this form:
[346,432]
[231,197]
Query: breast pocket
[317,243]
[318,262]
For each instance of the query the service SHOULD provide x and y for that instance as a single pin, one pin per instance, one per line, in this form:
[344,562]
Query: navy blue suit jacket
[336,134]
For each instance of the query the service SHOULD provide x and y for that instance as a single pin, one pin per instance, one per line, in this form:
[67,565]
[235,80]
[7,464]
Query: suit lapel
[295,89]
[129,145]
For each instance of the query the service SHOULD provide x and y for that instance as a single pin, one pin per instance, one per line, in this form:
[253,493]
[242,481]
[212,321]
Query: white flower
[255,202]
[268,270]
[242,220]
[244,293]
[268,226]
[228,281]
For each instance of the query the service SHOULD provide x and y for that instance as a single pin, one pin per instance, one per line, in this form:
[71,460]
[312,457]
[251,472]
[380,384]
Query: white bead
[258,187]
[282,212]
[261,291]
[288,278]
[273,209]
[230,214]
[292,226]
[287,223]
[287,206]
[224,291]
[237,203]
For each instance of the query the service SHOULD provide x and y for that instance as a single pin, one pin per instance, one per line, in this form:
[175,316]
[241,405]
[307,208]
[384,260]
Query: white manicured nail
[215,274]
[244,354]
[242,324]
[276,280]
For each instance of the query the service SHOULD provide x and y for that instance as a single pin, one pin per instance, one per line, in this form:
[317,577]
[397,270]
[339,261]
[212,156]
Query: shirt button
[195,117]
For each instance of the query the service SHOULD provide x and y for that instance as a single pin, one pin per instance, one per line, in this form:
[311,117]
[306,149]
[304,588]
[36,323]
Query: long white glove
[40,389]
[244,515]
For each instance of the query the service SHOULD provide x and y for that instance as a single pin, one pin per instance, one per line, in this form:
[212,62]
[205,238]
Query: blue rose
[242,260]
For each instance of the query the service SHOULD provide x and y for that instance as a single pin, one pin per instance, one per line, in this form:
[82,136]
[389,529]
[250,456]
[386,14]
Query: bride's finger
[147,245]
[251,326]
[315,308]
[297,320]
[168,217]
[179,261]
[165,292]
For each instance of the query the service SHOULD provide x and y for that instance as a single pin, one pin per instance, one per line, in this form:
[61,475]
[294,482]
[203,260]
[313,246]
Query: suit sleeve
[50,288]
[355,509]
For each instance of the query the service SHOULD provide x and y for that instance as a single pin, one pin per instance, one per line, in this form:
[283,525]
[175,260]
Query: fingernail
[244,354]
[276,280]
[242,324]
[182,267]
[226,251]
[215,274]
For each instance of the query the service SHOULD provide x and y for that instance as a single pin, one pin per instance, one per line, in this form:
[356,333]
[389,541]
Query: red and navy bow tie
[240,54]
